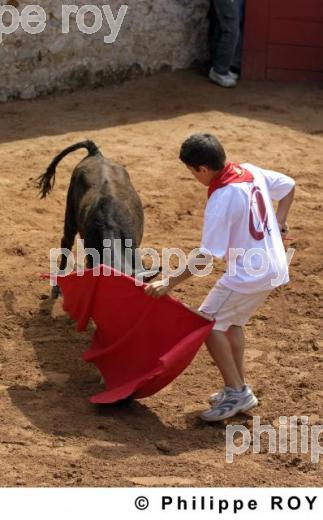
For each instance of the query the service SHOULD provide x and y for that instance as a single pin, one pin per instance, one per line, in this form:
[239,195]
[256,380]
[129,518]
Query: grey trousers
[227,41]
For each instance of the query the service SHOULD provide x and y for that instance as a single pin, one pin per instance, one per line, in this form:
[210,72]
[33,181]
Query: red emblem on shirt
[258,215]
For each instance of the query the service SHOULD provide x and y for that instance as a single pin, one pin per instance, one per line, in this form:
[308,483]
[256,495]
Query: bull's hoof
[55,292]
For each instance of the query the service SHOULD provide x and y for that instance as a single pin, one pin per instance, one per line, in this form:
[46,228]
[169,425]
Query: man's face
[203,174]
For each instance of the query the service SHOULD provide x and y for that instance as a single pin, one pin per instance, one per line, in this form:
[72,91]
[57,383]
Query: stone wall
[154,34]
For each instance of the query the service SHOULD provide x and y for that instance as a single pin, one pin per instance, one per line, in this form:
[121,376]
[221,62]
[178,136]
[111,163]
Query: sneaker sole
[223,86]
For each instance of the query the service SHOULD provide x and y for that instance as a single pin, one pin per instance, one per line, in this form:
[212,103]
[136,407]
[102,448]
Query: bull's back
[101,181]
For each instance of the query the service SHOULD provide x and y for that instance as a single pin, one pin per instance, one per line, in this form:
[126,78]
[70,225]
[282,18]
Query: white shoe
[235,401]
[234,75]
[225,81]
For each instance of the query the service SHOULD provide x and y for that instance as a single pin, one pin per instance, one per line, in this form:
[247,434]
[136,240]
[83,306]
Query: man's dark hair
[203,150]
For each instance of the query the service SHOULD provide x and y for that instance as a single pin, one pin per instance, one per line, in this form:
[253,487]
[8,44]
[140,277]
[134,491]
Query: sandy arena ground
[49,434]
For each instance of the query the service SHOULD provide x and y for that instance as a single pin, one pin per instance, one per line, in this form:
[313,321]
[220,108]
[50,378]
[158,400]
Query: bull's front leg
[66,244]
[70,230]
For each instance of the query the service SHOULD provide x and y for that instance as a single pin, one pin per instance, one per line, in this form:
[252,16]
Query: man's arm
[162,287]
[281,188]
[283,208]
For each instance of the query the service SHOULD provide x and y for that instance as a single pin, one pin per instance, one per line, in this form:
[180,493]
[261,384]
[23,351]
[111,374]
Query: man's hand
[158,289]
[284,229]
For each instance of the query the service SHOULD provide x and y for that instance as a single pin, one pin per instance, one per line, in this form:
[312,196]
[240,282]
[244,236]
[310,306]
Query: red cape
[141,344]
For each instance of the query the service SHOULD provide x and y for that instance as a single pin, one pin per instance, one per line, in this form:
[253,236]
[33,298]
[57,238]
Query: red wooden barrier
[283,40]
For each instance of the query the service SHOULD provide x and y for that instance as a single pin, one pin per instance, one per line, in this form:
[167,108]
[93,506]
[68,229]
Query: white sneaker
[234,75]
[235,401]
[224,80]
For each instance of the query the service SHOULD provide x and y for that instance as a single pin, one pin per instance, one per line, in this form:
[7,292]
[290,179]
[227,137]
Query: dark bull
[102,204]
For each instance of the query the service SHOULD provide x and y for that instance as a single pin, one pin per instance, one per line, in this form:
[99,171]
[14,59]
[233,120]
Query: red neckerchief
[231,173]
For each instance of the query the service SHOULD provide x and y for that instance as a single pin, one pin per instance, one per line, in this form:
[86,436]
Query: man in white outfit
[240,225]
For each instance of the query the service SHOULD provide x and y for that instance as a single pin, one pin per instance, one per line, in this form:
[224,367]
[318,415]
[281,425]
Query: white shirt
[240,225]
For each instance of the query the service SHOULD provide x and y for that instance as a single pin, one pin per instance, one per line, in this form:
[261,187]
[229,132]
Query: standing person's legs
[227,351]
[213,31]
[227,12]
[231,311]
[226,342]
[236,62]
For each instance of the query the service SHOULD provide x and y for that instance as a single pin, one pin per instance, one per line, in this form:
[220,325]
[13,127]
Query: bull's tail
[46,182]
